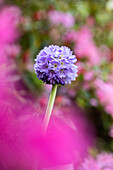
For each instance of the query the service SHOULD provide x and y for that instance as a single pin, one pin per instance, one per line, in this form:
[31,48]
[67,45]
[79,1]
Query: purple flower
[55,65]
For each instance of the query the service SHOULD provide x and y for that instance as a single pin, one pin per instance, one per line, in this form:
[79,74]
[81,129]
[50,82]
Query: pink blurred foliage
[9,19]
[102,161]
[105,53]
[67,139]
[81,67]
[89,75]
[111,131]
[83,138]
[66,19]
[9,32]
[104,92]
[86,85]
[22,144]
[13,50]
[94,102]
[88,164]
[24,147]
[70,36]
[84,44]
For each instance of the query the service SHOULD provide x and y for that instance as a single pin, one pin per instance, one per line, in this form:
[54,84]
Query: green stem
[49,108]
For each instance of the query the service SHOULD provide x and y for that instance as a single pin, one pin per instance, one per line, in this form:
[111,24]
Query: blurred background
[86,106]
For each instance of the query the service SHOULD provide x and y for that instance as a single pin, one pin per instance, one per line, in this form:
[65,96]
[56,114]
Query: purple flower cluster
[56,65]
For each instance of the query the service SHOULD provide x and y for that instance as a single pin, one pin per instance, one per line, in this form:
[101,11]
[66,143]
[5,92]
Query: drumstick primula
[55,65]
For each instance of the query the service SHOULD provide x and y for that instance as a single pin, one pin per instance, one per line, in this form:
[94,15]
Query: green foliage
[31,82]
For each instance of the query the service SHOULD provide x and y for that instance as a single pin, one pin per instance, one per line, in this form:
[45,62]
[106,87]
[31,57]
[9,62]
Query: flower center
[55,65]
[62,63]
[61,56]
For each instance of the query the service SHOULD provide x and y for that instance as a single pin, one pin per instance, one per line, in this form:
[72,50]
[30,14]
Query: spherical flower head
[56,65]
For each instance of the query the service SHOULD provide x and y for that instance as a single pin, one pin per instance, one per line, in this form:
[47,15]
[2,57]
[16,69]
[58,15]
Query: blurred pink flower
[88,164]
[79,123]
[13,50]
[93,102]
[62,167]
[33,148]
[86,85]
[102,161]
[105,53]
[81,67]
[105,160]
[104,91]
[89,75]
[22,145]
[111,131]
[66,19]
[9,19]
[70,36]
[85,46]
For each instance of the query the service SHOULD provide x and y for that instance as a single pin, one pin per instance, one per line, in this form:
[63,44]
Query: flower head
[55,65]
